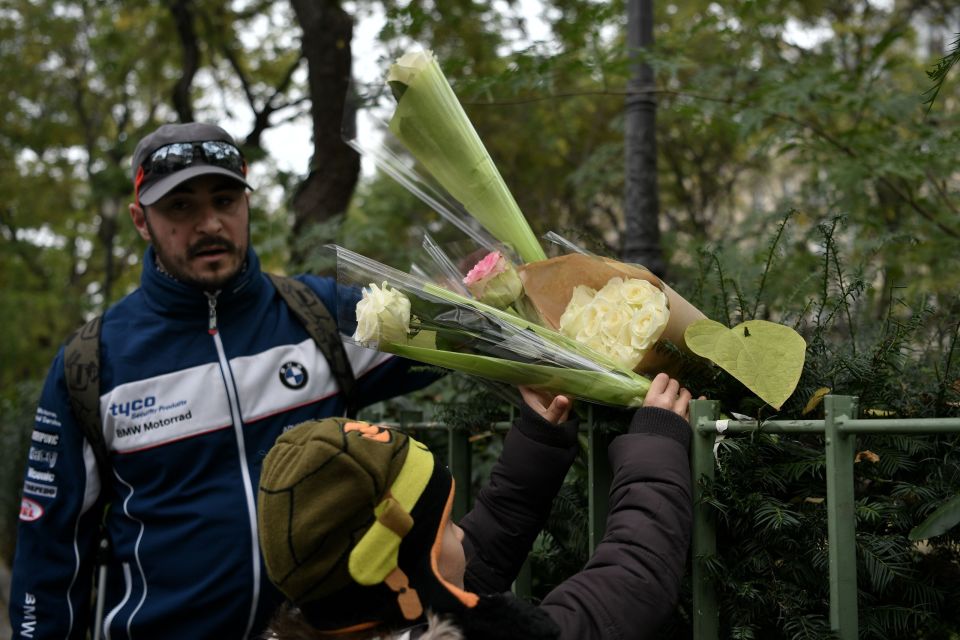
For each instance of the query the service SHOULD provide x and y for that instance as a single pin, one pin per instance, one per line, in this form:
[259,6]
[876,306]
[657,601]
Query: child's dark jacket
[631,582]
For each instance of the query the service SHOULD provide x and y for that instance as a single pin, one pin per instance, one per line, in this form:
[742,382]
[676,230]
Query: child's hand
[666,393]
[552,408]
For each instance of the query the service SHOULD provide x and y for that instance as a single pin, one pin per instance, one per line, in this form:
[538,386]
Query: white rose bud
[383,314]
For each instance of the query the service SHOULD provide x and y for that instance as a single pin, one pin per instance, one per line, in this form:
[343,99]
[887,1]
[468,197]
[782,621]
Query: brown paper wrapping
[549,285]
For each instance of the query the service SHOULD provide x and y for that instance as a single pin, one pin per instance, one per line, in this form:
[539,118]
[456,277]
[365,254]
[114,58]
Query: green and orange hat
[351,517]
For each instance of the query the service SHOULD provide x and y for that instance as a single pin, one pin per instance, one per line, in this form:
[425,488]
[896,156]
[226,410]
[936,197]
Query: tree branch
[813,127]
[183,18]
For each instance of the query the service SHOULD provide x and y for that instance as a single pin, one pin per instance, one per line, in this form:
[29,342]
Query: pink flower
[492,264]
[494,281]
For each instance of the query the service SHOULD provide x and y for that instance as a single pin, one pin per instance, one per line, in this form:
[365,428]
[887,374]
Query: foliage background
[803,178]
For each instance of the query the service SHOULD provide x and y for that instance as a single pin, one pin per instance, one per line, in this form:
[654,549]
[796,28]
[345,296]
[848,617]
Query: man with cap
[355,530]
[200,370]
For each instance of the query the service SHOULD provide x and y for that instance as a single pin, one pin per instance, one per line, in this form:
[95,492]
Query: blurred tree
[334,167]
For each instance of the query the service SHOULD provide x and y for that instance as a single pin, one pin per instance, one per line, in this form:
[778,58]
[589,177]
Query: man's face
[200,230]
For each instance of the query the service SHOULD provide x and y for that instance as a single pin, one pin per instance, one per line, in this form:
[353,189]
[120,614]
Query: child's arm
[513,507]
[632,581]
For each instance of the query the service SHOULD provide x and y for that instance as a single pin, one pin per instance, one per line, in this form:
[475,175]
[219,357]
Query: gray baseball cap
[175,153]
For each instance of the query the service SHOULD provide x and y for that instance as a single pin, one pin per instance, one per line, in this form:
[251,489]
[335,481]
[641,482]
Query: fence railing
[839,427]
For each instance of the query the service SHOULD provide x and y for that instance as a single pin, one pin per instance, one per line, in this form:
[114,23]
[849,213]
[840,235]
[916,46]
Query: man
[201,369]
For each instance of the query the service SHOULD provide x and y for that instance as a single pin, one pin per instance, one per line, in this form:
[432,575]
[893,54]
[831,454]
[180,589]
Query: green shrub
[901,358]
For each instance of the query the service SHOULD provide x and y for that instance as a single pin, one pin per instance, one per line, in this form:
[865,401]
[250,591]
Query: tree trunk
[183,19]
[641,243]
[334,167]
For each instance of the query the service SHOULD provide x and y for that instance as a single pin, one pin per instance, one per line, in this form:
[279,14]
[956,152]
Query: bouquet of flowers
[607,314]
[412,317]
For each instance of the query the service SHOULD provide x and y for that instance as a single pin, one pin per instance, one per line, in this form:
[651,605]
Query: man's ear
[139,217]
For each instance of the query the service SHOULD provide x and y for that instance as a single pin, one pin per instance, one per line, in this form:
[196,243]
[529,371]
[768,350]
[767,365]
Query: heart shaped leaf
[765,356]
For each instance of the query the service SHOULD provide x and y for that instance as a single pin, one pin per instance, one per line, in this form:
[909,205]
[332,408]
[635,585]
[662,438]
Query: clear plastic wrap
[409,316]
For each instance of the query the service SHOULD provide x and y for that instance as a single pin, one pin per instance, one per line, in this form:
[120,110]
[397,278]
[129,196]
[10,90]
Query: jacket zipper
[242,450]
[128,588]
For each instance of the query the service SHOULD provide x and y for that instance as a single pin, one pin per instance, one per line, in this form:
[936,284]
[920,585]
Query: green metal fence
[839,427]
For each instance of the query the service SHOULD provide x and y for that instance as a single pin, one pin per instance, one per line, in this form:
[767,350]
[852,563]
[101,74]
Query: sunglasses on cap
[161,165]
[180,155]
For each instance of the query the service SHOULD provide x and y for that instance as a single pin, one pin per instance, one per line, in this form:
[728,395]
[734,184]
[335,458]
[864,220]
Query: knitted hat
[351,518]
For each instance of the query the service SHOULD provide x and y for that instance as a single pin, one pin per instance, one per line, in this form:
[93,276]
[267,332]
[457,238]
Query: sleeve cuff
[661,422]
[534,426]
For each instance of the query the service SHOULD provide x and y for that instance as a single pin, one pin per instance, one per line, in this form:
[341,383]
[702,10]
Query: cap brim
[165,185]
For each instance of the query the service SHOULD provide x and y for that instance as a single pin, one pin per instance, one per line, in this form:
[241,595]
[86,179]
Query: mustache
[205,244]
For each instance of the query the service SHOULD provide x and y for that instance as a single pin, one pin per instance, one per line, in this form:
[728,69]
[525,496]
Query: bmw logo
[293,375]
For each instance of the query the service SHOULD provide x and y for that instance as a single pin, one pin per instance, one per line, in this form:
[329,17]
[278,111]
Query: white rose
[571,322]
[590,320]
[614,319]
[595,342]
[382,314]
[582,296]
[638,292]
[628,356]
[611,291]
[622,320]
[647,325]
[368,326]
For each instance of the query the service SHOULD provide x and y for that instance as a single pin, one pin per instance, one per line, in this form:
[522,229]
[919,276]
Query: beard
[211,276]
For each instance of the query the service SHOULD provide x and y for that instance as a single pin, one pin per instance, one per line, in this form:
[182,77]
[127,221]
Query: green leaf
[765,356]
[940,521]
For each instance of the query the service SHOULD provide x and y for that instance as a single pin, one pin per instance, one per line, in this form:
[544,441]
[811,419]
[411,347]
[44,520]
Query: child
[356,532]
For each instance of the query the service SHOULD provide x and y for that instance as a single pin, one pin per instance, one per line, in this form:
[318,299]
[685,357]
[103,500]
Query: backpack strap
[81,363]
[313,315]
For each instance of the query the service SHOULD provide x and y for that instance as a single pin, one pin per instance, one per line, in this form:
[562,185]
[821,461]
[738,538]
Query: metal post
[598,481]
[706,613]
[841,518]
[458,450]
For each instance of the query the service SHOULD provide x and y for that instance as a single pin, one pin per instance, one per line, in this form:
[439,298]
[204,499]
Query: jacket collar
[166,295]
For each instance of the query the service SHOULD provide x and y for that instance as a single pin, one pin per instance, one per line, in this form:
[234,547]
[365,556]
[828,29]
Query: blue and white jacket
[194,391]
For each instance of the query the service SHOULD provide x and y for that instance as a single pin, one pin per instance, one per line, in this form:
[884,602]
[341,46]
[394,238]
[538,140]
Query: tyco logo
[293,375]
[124,408]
